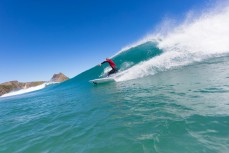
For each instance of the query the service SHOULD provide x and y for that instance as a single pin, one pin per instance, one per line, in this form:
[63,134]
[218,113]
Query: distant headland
[10,86]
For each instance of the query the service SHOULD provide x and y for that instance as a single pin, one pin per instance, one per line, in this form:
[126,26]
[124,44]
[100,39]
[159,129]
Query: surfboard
[102,80]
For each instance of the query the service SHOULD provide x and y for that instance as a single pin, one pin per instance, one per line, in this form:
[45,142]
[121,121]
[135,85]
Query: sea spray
[201,38]
[180,110]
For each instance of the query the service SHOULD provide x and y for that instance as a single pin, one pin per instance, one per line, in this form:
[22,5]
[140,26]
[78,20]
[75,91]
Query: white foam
[195,40]
[22,91]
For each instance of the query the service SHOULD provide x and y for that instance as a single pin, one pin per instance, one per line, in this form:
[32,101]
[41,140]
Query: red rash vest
[111,63]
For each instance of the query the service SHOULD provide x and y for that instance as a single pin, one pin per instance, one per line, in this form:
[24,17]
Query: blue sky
[41,37]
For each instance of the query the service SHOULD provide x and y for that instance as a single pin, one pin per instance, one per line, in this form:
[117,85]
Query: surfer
[112,65]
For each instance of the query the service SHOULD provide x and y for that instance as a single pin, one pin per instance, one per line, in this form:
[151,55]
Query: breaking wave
[203,37]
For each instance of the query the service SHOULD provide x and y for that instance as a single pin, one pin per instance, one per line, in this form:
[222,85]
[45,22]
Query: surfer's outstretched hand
[99,64]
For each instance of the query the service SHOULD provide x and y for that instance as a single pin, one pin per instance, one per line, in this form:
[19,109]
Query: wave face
[171,95]
[195,40]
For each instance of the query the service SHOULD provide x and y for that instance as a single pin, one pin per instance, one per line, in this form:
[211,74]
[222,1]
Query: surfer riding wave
[112,65]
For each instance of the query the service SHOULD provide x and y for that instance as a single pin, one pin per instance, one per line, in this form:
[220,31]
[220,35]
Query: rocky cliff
[60,77]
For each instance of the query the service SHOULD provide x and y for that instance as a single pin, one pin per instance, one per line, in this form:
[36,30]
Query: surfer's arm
[103,62]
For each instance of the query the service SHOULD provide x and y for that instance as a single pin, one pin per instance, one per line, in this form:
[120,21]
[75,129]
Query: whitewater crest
[204,37]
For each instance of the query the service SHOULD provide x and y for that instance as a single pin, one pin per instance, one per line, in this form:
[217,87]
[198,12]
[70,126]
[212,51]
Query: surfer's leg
[111,72]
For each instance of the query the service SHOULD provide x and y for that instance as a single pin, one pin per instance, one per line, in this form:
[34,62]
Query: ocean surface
[171,95]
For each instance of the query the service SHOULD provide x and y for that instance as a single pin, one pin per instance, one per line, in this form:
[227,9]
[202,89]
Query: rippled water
[177,111]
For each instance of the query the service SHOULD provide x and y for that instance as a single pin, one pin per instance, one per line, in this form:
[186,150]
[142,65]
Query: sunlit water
[171,95]
[181,110]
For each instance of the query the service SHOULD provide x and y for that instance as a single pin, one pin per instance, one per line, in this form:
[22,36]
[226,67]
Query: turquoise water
[167,110]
